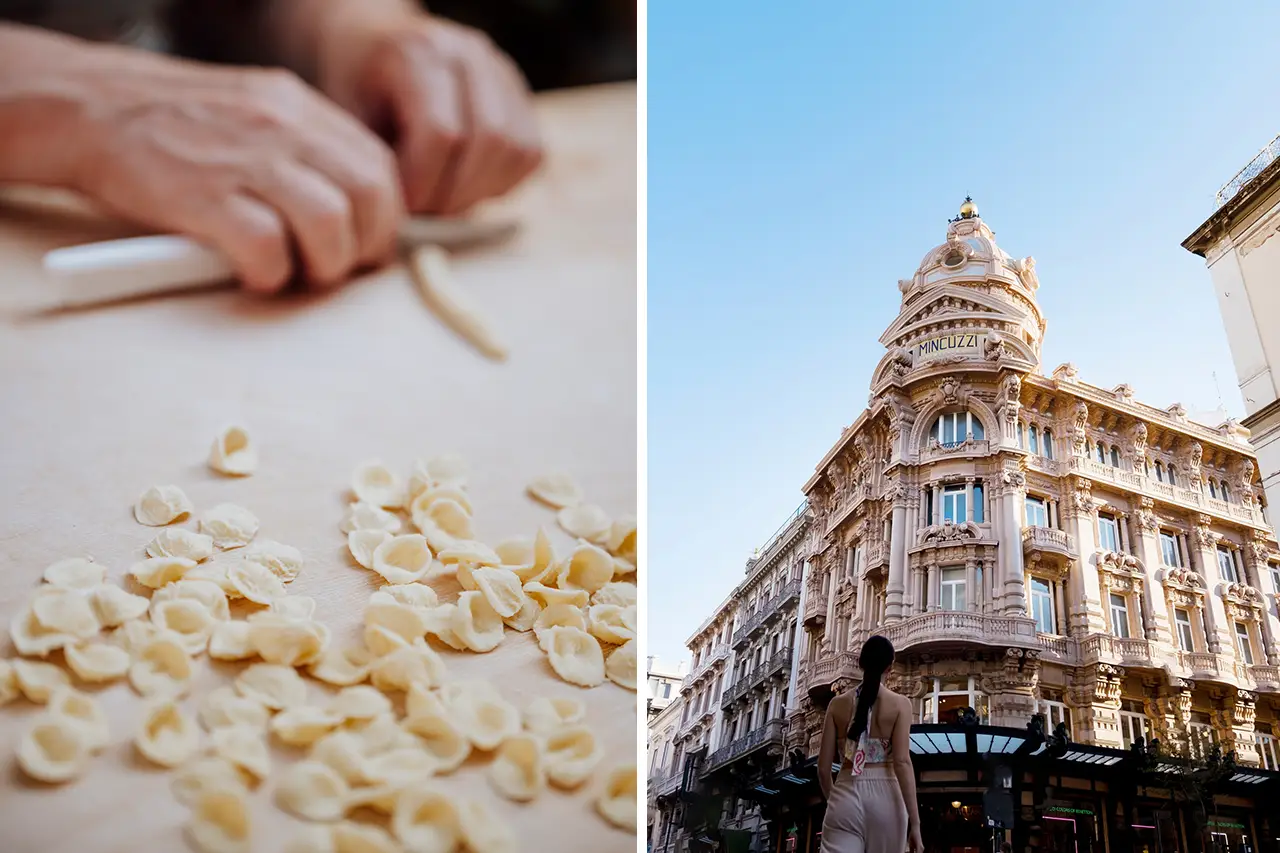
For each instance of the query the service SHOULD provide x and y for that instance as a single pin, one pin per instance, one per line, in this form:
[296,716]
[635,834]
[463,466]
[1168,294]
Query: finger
[484,107]
[318,216]
[372,188]
[427,105]
[522,154]
[252,236]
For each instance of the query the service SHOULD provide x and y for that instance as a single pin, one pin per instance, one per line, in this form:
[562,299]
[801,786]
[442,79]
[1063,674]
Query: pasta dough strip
[429,267]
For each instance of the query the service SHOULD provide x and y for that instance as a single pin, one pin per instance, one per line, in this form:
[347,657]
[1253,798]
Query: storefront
[1085,799]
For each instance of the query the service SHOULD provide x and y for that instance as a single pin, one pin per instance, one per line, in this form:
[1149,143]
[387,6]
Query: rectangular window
[1048,444]
[1267,752]
[1201,740]
[1037,516]
[1169,554]
[953,589]
[1133,728]
[1042,605]
[977,502]
[666,690]
[1108,532]
[1186,639]
[1054,713]
[1227,565]
[1119,616]
[1243,645]
[1275,576]
[953,504]
[1034,443]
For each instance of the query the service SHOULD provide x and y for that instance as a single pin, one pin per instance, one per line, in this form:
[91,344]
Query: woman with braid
[871,802]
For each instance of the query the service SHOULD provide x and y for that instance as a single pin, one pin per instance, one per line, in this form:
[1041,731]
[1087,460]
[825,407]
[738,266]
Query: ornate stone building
[1033,543]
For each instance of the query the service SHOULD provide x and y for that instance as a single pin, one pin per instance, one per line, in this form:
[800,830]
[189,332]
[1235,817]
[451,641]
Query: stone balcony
[766,611]
[950,627]
[1047,541]
[770,734]
[825,670]
[1265,677]
[1125,651]
[971,448]
[665,785]
[815,611]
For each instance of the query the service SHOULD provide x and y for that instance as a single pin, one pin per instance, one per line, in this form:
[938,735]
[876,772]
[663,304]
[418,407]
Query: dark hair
[876,657]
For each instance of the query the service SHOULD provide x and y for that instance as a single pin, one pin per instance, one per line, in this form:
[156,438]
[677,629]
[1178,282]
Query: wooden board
[96,407]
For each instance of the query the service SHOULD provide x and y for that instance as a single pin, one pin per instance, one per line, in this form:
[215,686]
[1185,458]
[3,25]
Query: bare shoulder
[842,704]
[898,701]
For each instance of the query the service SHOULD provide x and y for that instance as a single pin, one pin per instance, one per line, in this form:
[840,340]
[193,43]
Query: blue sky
[804,157]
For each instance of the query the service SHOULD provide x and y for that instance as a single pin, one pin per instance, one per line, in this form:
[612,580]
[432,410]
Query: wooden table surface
[96,407]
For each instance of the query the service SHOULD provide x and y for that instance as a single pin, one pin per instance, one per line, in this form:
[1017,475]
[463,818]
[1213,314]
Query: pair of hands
[284,178]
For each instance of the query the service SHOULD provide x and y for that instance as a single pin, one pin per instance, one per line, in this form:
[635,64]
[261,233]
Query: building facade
[663,770]
[1241,248]
[1033,544]
[738,692]
[664,680]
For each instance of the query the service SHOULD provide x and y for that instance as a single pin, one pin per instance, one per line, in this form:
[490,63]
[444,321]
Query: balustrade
[768,734]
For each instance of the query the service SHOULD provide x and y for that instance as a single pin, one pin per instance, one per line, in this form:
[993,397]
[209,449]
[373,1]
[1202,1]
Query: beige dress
[865,813]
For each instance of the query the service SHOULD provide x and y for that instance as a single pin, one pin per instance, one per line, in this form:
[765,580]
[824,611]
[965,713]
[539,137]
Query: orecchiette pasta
[207,593]
[113,606]
[620,667]
[549,595]
[588,568]
[585,521]
[441,738]
[155,572]
[342,666]
[502,589]
[426,820]
[557,490]
[362,544]
[545,715]
[204,774]
[66,611]
[38,680]
[413,664]
[179,542]
[303,725]
[230,641]
[273,685]
[230,525]
[223,708]
[612,624]
[75,573]
[243,746]
[284,561]
[517,770]
[53,750]
[476,624]
[84,712]
[402,559]
[220,821]
[255,581]
[161,666]
[575,656]
[375,483]
[571,755]
[621,593]
[187,619]
[481,713]
[483,831]
[313,790]
[167,737]
[292,642]
[617,802]
[234,453]
[161,505]
[359,702]
[366,516]
[95,661]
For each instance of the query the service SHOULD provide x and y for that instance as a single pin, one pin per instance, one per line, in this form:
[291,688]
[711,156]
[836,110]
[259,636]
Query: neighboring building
[1034,544]
[664,772]
[664,683]
[1240,246]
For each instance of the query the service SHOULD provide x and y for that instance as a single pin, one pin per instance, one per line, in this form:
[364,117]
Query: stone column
[1203,542]
[1145,532]
[1013,586]
[897,554]
[1095,698]
[1060,623]
[934,579]
[1011,693]
[1080,515]
[1258,575]
[1234,724]
[828,627]
[971,586]
[848,561]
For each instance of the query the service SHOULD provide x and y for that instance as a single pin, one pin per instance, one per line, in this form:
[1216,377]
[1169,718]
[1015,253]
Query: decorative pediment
[951,304]
[949,532]
[1182,587]
[1120,572]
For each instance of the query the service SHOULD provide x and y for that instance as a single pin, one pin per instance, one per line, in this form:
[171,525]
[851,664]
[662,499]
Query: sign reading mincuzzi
[957,343]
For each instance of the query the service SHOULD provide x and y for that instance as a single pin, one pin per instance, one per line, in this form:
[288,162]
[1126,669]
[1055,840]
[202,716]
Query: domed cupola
[969,301]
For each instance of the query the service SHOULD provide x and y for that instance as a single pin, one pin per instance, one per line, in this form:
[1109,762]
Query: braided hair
[875,659]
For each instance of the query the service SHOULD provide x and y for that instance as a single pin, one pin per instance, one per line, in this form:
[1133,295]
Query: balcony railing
[1107,648]
[1047,539]
[1251,170]
[780,659]
[768,734]
[1201,664]
[828,669]
[1191,498]
[1265,676]
[668,784]
[815,609]
[1058,646]
[952,625]
[971,447]
[717,654]
[765,609]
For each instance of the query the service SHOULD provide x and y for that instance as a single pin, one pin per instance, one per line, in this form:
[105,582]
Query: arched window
[1213,489]
[1173,478]
[1115,457]
[1159,470]
[1048,443]
[1022,435]
[1102,453]
[1226,495]
[954,428]
[1034,439]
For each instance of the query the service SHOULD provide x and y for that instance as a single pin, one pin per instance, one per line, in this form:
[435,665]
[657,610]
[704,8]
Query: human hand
[456,108]
[914,842]
[251,161]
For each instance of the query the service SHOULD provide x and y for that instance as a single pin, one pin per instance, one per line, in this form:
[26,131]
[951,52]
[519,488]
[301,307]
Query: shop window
[1227,565]
[1119,616]
[1169,552]
[954,507]
[1186,638]
[1108,532]
[949,697]
[1244,646]
[1134,727]
[952,594]
[1042,606]
[1036,511]
[954,428]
